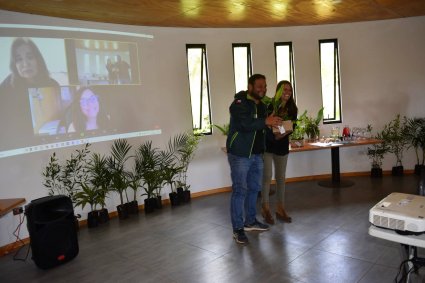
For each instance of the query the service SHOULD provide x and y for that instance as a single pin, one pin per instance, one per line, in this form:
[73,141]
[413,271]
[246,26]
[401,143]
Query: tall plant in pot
[65,179]
[171,166]
[376,154]
[100,178]
[415,136]
[149,161]
[185,155]
[393,135]
[135,182]
[119,177]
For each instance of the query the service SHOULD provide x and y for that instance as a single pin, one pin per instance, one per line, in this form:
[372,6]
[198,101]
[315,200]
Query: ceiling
[220,13]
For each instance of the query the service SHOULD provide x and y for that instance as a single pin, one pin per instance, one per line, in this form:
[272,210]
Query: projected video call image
[102,62]
[62,89]
[72,110]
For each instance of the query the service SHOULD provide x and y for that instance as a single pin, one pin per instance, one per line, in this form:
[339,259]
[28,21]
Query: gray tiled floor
[327,242]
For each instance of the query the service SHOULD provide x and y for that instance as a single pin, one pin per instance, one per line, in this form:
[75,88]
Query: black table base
[336,181]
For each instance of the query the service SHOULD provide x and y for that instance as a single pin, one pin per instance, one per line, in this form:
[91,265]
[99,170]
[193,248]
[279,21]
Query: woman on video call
[27,66]
[27,70]
[87,112]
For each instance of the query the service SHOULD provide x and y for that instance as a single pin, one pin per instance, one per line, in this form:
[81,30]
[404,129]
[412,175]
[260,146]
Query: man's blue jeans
[247,175]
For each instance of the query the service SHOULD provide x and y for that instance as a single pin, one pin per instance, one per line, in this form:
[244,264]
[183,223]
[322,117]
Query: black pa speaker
[52,228]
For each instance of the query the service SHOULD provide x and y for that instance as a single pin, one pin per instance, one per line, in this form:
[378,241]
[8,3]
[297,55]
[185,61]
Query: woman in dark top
[277,149]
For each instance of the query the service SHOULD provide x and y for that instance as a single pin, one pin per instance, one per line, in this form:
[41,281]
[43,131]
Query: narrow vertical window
[284,59]
[199,87]
[330,79]
[242,65]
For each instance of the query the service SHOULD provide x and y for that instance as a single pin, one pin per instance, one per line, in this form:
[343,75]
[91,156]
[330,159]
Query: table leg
[336,181]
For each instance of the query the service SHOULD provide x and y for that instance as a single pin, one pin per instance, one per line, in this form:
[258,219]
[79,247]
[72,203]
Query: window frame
[291,65]
[248,62]
[207,130]
[336,83]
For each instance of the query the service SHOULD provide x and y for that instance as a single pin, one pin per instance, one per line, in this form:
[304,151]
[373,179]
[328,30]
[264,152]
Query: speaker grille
[388,222]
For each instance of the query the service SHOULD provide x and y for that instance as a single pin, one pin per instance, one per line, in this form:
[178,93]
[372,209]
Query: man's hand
[273,121]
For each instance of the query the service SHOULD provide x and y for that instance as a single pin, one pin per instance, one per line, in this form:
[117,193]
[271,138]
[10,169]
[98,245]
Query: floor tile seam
[179,238]
[366,272]
[343,255]
[198,247]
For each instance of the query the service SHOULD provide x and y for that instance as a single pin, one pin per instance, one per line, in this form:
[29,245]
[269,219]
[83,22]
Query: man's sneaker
[256,226]
[240,237]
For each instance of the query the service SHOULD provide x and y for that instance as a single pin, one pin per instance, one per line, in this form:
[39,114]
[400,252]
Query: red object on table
[346,131]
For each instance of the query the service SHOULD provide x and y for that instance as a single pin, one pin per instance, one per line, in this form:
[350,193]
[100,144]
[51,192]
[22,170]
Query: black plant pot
[158,203]
[180,193]
[122,210]
[397,171]
[150,205]
[103,215]
[418,168]
[376,172]
[174,199]
[133,207]
[93,219]
[186,196]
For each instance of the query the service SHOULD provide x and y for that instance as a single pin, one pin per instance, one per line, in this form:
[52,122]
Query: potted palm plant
[149,160]
[100,178]
[415,136]
[393,136]
[119,177]
[185,155]
[171,168]
[134,182]
[89,195]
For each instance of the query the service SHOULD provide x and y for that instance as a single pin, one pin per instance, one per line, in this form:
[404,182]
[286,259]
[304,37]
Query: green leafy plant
[87,195]
[184,155]
[393,135]
[99,177]
[52,177]
[224,129]
[116,164]
[170,165]
[377,151]
[149,161]
[414,132]
[312,125]
[67,179]
[299,129]
[306,125]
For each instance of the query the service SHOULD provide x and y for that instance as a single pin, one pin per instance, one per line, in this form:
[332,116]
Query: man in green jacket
[245,147]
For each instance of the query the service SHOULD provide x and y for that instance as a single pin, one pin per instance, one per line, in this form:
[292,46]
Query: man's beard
[256,95]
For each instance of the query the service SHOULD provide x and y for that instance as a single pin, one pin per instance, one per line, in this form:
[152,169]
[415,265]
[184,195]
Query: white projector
[400,212]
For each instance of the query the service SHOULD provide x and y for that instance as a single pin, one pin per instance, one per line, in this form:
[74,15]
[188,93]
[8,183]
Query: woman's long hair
[290,107]
[42,75]
[79,119]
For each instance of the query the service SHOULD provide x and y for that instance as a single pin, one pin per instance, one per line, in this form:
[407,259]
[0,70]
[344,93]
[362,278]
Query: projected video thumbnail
[62,89]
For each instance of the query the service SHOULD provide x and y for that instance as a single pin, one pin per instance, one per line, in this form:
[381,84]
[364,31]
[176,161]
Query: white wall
[382,69]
